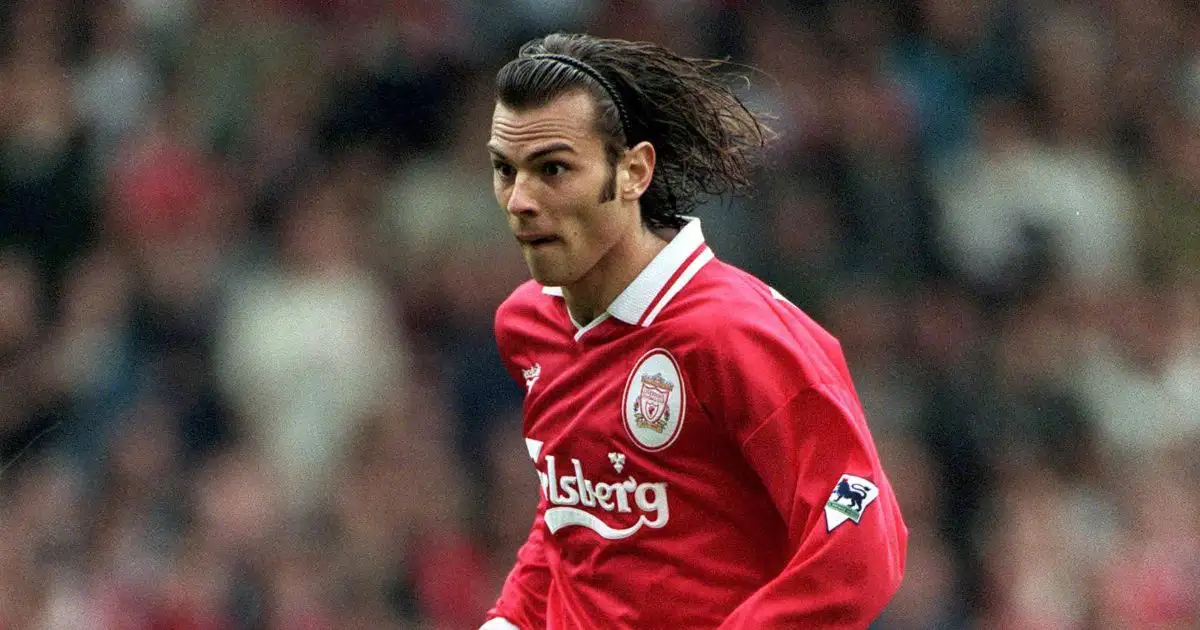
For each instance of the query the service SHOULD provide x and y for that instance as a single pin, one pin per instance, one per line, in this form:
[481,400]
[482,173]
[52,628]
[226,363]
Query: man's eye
[554,168]
[504,170]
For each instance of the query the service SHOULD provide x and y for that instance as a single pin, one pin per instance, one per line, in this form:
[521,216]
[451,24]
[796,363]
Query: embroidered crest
[654,401]
[653,409]
[848,501]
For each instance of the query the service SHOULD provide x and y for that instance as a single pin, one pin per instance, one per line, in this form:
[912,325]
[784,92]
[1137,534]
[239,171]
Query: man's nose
[520,197]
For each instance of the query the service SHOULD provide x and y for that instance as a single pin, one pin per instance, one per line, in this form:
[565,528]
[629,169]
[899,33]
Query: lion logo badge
[848,501]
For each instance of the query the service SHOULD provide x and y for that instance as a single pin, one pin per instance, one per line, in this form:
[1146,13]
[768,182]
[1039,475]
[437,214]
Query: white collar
[671,269]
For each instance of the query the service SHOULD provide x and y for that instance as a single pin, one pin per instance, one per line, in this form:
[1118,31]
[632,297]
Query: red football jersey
[703,456]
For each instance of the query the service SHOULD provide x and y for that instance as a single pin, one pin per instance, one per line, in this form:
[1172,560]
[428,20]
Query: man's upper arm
[846,537]
[780,387]
[522,599]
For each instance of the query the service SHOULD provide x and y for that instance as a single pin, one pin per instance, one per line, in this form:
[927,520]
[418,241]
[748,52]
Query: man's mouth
[537,240]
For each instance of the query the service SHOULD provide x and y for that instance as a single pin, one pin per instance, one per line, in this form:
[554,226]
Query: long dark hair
[705,138]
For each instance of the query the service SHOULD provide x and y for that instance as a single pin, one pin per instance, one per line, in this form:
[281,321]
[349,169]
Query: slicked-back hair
[706,140]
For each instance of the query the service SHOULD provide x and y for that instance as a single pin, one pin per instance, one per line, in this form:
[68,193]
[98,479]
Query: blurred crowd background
[249,258]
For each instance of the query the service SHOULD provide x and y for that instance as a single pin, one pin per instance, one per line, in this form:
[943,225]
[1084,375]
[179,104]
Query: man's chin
[548,280]
[547,277]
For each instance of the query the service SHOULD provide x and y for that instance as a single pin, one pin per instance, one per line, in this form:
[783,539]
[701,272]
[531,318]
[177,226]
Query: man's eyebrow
[496,152]
[540,153]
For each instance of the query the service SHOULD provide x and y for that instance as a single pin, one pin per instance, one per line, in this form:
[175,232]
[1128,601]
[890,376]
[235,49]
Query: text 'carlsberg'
[568,491]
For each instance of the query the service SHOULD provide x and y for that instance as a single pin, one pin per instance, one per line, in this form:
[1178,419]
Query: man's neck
[593,294]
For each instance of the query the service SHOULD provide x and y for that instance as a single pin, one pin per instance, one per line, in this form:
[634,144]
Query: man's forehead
[569,117]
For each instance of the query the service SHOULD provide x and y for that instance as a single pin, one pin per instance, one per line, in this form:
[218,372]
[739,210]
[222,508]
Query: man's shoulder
[732,320]
[527,294]
[526,303]
[727,296]
[728,306]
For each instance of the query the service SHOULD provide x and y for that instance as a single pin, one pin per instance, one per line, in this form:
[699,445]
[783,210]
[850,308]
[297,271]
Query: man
[703,457]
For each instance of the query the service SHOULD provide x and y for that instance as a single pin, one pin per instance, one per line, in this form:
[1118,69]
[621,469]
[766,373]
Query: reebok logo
[531,375]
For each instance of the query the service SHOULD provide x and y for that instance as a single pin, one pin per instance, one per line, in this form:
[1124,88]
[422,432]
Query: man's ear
[639,167]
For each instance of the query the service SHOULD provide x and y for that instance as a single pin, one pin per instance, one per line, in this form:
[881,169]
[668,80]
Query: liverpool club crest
[654,401]
[653,408]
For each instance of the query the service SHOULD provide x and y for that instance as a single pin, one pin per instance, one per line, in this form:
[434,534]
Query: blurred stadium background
[250,257]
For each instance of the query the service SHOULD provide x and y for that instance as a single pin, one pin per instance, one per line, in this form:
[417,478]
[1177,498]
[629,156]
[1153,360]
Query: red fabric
[733,530]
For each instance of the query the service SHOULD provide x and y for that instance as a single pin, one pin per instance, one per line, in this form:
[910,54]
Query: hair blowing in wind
[706,140]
